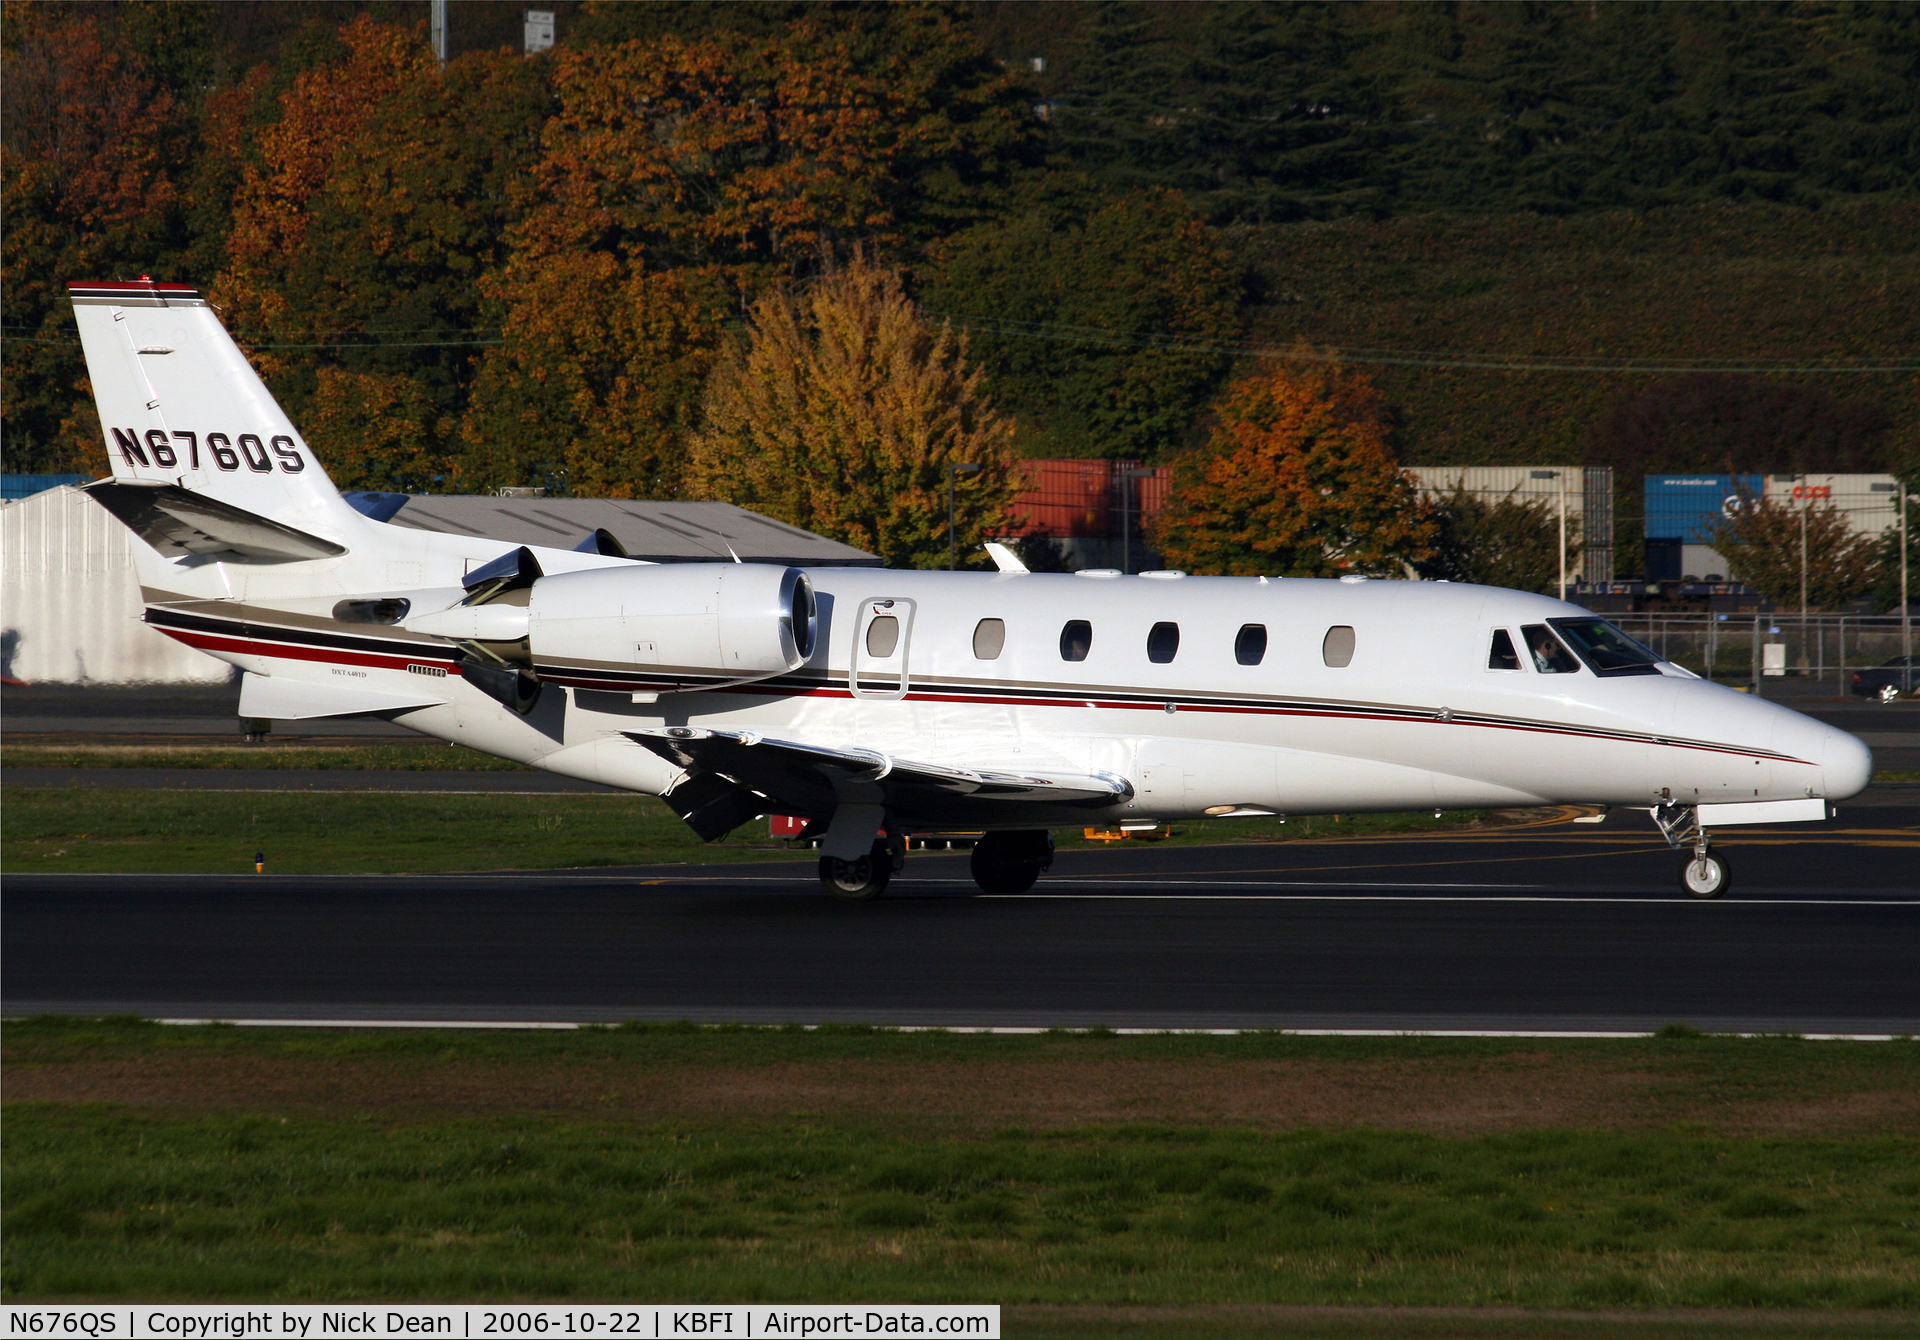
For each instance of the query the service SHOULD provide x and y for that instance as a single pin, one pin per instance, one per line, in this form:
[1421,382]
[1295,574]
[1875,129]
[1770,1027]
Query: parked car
[1887,682]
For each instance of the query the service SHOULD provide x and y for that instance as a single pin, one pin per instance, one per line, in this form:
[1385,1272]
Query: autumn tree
[1505,541]
[1296,482]
[596,386]
[843,414]
[1763,542]
[680,175]
[87,177]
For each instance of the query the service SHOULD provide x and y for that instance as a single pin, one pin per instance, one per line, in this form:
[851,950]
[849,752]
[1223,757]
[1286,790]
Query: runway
[1553,928]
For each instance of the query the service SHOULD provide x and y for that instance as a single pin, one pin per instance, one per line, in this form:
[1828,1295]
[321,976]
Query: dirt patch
[1456,1098]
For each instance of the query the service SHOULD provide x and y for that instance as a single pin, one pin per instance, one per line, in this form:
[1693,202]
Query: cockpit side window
[1550,657]
[1606,650]
[1500,653]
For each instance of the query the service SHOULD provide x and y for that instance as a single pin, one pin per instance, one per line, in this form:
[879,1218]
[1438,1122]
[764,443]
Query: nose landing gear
[1705,874]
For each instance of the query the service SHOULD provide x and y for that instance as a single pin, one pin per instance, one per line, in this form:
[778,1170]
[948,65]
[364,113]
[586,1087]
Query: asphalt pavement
[1557,927]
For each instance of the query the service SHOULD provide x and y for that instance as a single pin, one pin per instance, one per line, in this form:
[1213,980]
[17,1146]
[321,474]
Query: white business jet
[880,704]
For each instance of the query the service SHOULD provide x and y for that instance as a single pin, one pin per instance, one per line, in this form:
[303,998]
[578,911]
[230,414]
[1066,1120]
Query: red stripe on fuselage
[300,652]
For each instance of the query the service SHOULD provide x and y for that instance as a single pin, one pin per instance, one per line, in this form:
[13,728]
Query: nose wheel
[1705,875]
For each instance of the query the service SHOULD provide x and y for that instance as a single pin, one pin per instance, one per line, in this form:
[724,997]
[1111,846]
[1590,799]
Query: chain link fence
[1779,649]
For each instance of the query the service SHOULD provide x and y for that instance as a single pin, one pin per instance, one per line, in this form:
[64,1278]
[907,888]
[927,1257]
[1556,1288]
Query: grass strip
[101,830]
[107,1203]
[424,756]
[941,1080]
[352,1187]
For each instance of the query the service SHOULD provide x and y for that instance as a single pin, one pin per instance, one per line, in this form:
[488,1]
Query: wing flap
[805,775]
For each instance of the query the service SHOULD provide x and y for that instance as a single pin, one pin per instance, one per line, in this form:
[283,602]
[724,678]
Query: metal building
[70,609]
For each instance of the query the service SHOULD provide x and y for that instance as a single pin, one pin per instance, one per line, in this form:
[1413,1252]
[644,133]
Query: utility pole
[961,468]
[437,28]
[1906,612]
[1126,528]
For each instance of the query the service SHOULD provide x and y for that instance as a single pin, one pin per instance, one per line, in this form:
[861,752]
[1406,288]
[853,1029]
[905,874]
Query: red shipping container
[1082,500]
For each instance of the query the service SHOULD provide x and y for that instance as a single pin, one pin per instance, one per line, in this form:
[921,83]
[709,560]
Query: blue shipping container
[1687,508]
[15,487]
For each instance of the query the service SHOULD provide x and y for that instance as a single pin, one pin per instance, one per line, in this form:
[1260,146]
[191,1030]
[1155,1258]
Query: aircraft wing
[812,779]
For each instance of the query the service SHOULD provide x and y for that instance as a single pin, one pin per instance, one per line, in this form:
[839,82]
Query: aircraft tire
[1705,876]
[1010,863]
[860,879]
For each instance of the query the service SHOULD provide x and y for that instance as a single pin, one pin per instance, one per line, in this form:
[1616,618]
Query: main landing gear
[1003,863]
[1705,873]
[1009,863]
[866,876]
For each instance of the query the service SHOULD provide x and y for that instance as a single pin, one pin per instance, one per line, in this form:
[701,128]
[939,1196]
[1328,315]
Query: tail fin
[180,405]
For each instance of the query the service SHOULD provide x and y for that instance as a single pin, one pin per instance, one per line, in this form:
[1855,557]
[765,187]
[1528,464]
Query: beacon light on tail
[875,704]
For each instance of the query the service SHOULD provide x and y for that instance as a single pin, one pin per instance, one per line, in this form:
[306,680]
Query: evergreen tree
[1104,320]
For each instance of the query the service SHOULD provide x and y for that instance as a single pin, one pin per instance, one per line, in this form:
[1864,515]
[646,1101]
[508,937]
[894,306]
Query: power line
[1069,334]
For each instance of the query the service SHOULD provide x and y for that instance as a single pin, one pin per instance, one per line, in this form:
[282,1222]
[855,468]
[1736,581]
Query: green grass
[267,1197]
[103,1203]
[89,830]
[406,757]
[355,832]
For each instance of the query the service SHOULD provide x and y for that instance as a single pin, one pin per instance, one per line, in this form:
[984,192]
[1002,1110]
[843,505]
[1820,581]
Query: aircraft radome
[879,704]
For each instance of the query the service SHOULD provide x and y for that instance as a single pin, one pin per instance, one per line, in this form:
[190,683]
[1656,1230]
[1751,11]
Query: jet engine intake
[672,626]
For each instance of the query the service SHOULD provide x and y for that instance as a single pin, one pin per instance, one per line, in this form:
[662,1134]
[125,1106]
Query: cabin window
[1076,640]
[1250,647]
[1336,648]
[1549,656]
[883,635]
[1500,654]
[989,639]
[1163,643]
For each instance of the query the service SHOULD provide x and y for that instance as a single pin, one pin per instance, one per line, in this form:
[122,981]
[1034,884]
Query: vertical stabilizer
[180,405]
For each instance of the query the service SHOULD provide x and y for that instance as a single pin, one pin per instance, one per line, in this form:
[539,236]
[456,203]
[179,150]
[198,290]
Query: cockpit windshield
[1605,649]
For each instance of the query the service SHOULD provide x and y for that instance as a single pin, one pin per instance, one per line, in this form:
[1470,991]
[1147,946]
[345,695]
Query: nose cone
[1845,762]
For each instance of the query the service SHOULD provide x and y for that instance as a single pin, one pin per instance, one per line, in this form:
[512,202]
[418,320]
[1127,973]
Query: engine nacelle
[671,626]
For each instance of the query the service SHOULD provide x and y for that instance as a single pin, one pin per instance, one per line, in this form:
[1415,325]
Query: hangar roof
[670,532]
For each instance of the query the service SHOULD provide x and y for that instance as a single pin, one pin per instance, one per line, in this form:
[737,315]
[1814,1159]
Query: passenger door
[879,663]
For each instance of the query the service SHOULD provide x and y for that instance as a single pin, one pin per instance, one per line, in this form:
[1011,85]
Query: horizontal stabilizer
[804,775]
[180,524]
[276,699]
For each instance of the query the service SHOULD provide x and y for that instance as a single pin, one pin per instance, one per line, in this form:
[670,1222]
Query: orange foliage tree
[842,416]
[380,199]
[1296,482]
[678,177]
[322,117]
[86,179]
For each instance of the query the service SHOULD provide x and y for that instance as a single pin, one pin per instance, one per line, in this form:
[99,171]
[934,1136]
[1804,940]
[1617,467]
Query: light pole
[1559,478]
[955,468]
[1126,501]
